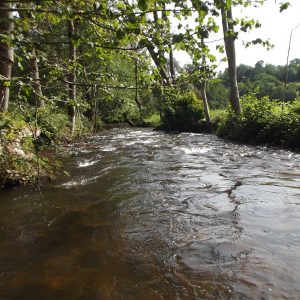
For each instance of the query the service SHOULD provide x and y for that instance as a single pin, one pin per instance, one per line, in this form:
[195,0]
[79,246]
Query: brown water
[148,215]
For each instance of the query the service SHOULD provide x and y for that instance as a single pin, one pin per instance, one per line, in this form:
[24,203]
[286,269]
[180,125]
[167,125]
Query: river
[150,215]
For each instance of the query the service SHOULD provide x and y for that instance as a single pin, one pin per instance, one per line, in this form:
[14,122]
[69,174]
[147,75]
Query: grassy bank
[262,122]
[26,137]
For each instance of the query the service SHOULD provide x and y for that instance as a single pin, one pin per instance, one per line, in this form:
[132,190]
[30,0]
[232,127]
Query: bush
[263,121]
[181,112]
[23,135]
[54,126]
[154,120]
[16,148]
[295,106]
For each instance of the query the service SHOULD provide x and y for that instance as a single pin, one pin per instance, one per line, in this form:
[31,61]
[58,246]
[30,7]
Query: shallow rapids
[150,215]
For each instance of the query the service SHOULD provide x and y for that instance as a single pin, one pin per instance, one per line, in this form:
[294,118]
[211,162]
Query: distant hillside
[262,80]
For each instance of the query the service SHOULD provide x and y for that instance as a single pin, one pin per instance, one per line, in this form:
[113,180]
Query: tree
[33,60]
[6,53]
[229,40]
[72,74]
[203,85]
[155,42]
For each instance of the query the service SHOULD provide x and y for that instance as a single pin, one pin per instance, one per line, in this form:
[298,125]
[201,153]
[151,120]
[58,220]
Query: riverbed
[151,215]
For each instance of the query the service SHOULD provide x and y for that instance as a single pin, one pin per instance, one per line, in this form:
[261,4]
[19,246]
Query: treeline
[67,67]
[276,82]
[71,59]
[61,54]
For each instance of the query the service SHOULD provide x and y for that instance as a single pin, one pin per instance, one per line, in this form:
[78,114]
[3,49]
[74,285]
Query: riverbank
[28,142]
[261,122]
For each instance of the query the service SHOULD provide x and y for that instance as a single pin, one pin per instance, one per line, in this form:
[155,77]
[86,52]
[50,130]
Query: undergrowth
[25,138]
[263,122]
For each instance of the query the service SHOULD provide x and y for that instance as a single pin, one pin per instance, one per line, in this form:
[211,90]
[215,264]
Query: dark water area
[149,215]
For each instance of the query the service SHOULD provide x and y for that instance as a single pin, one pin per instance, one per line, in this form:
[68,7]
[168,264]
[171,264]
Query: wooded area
[67,67]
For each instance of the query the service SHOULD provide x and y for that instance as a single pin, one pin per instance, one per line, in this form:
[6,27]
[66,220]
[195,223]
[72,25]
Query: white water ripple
[86,163]
[195,150]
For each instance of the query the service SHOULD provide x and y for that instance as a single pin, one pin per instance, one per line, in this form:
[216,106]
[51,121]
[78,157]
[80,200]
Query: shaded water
[148,215]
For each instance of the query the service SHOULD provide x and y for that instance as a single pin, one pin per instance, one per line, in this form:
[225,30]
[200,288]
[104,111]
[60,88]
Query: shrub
[53,125]
[262,121]
[16,147]
[22,136]
[154,120]
[295,106]
[181,112]
[246,126]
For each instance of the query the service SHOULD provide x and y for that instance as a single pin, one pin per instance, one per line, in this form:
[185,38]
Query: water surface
[149,215]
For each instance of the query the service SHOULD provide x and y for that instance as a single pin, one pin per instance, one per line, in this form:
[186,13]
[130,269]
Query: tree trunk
[171,54]
[172,67]
[36,79]
[203,85]
[72,76]
[229,40]
[34,66]
[157,56]
[6,54]
[137,101]
[205,104]
[156,60]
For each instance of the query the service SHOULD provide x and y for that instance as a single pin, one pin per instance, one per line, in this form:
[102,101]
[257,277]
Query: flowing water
[149,215]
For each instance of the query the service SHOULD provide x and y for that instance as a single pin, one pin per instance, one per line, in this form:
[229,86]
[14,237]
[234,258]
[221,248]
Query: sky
[276,26]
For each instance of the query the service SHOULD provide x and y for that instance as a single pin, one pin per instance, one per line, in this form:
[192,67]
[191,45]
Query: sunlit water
[149,215]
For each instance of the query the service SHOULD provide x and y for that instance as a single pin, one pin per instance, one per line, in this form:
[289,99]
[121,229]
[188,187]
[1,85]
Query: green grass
[154,120]
[216,114]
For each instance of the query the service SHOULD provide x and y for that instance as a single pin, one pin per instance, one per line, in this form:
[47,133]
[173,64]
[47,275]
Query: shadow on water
[148,215]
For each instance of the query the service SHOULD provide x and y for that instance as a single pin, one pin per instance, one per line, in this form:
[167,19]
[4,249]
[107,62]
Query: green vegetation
[261,80]
[25,137]
[217,115]
[68,67]
[16,143]
[181,112]
[263,122]
[154,120]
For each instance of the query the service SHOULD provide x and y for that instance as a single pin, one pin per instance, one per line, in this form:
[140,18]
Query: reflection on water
[148,215]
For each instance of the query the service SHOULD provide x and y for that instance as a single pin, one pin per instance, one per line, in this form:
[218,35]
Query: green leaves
[258,41]
[142,4]
[262,121]
[284,5]
[220,48]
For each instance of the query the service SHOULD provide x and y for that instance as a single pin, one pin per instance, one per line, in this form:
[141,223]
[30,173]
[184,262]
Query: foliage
[263,80]
[296,106]
[78,64]
[181,111]
[154,120]
[217,95]
[25,136]
[263,121]
[16,148]
[217,115]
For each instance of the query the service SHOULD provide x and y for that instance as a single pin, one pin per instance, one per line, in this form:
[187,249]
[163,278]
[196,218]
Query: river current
[150,215]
